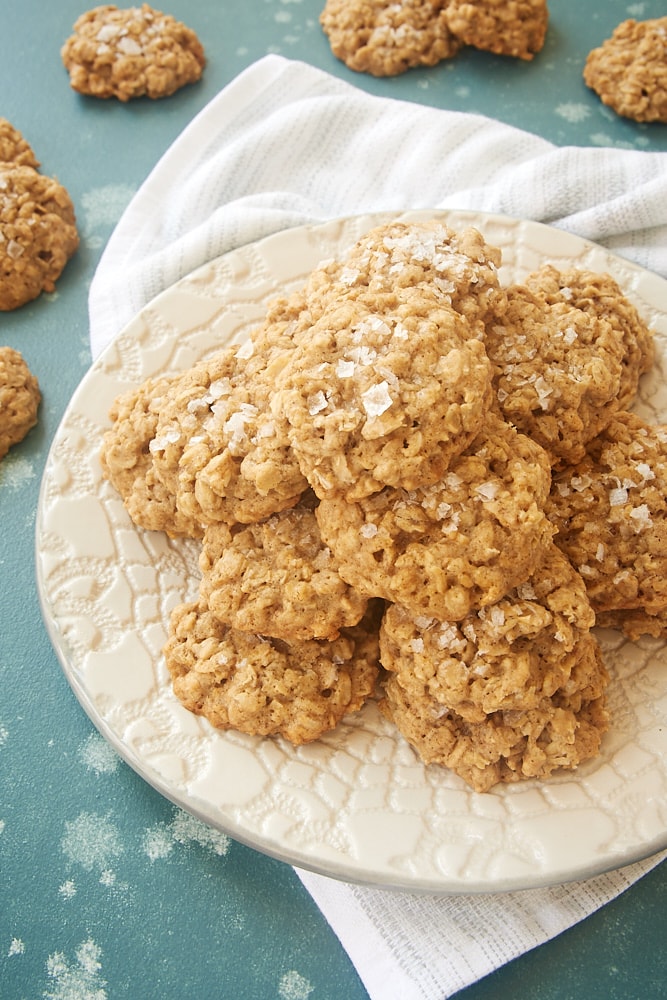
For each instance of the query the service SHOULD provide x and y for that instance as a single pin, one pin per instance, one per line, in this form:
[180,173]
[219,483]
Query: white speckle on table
[68,889]
[573,112]
[98,755]
[16,947]
[79,979]
[282,17]
[636,9]
[16,472]
[4,735]
[2,826]
[159,841]
[91,841]
[103,207]
[293,986]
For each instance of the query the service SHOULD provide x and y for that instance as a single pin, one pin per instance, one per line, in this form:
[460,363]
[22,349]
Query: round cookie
[385,39]
[628,71]
[568,353]
[19,399]
[264,686]
[611,517]
[14,148]
[562,732]
[37,234]
[131,52]
[278,579]
[448,549]
[506,657]
[510,29]
[127,462]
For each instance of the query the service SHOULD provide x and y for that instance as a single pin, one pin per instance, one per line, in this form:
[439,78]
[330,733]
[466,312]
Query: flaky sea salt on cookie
[516,28]
[387,38]
[628,71]
[611,514]
[264,686]
[38,234]
[277,578]
[131,52]
[19,399]
[450,548]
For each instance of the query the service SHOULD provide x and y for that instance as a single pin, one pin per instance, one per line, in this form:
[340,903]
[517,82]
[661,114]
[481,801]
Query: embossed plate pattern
[357,804]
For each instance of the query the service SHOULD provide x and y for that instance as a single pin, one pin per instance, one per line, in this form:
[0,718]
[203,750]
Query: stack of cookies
[370,479]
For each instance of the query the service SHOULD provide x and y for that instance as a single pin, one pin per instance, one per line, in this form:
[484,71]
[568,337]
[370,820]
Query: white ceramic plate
[358,804]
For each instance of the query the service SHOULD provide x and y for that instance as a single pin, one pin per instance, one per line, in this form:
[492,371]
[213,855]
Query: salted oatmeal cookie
[217,446]
[38,234]
[507,656]
[448,549]
[14,148]
[263,686]
[568,353]
[611,515]
[458,267]
[507,746]
[127,461]
[278,579]
[385,38]
[131,52]
[628,71]
[506,27]
[19,399]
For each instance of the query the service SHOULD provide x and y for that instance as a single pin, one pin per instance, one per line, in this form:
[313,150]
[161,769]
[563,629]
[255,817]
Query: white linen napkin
[286,144]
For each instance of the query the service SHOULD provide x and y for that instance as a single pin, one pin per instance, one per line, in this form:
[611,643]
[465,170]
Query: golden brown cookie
[278,579]
[384,38]
[127,460]
[14,148]
[506,656]
[19,399]
[611,515]
[516,28]
[568,353]
[264,686]
[450,548]
[37,234]
[628,71]
[131,52]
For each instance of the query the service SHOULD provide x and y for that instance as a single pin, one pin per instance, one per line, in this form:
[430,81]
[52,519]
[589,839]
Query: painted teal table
[106,889]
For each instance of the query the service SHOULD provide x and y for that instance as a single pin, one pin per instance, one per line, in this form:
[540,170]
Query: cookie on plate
[131,52]
[263,686]
[568,353]
[127,460]
[385,39]
[628,71]
[611,516]
[450,548]
[14,148]
[278,579]
[38,234]
[510,29]
[19,399]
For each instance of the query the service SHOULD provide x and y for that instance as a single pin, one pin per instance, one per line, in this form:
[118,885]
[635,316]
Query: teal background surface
[107,890]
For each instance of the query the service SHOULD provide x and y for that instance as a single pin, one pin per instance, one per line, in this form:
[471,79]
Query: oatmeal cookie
[19,399]
[386,38]
[507,656]
[507,746]
[611,516]
[516,28]
[628,71]
[568,353]
[127,461]
[264,686]
[278,579]
[14,148]
[38,234]
[131,52]
[448,549]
